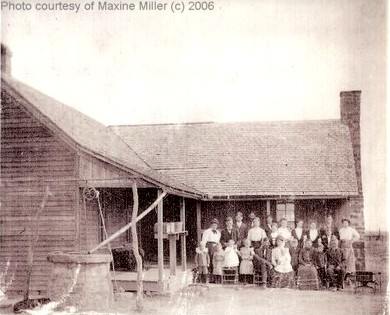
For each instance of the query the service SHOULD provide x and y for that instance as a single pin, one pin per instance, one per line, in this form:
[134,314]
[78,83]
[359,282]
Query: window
[286,210]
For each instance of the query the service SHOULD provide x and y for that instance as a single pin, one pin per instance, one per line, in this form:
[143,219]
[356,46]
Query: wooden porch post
[268,207]
[198,220]
[160,243]
[183,236]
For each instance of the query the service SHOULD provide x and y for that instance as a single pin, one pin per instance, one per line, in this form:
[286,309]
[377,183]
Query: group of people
[276,253]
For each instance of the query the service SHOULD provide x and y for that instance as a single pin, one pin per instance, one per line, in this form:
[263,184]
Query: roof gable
[89,135]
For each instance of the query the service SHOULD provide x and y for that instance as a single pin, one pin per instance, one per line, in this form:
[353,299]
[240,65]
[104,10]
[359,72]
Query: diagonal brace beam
[128,226]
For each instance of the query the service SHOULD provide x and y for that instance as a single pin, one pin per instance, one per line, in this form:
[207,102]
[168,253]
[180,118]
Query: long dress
[246,266]
[231,257]
[281,259]
[307,272]
[347,236]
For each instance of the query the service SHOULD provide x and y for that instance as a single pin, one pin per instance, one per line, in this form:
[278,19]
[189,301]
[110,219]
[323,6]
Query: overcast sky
[243,61]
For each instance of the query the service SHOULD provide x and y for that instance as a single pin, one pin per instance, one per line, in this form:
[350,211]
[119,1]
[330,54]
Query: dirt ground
[245,300]
[252,300]
[249,299]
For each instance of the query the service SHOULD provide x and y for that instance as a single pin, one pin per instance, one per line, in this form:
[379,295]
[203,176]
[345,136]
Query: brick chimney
[6,55]
[350,116]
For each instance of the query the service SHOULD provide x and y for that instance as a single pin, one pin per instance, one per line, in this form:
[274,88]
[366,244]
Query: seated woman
[307,272]
[281,260]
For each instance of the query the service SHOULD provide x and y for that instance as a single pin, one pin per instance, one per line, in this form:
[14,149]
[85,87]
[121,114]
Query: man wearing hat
[241,228]
[211,237]
[229,233]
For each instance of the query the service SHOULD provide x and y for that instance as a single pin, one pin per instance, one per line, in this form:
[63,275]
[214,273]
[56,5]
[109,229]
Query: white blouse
[256,234]
[349,234]
[285,233]
[313,234]
[210,236]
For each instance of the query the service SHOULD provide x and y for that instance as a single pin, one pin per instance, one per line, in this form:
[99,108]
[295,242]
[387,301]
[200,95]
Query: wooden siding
[32,158]
[102,174]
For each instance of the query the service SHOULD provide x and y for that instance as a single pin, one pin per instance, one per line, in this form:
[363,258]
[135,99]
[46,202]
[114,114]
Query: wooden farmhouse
[52,155]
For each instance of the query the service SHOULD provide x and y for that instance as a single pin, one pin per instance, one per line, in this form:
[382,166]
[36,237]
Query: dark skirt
[283,279]
[307,278]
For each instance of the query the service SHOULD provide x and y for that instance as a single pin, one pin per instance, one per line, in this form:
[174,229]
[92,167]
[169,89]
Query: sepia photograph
[194,157]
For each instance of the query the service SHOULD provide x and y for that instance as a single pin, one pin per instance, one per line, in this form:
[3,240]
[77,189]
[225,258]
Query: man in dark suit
[229,232]
[241,228]
[328,231]
[299,234]
[267,227]
[262,262]
[336,265]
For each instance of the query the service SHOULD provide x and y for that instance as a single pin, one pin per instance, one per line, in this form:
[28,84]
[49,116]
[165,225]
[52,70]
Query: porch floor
[127,281]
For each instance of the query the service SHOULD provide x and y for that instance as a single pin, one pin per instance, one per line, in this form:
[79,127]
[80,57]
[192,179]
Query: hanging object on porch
[91,193]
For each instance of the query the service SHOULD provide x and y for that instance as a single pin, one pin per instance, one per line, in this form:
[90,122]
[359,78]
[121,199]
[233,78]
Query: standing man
[268,225]
[299,234]
[211,237]
[229,233]
[251,217]
[328,231]
[241,228]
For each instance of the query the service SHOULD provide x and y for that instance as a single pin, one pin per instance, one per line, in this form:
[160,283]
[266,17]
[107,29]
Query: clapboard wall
[32,158]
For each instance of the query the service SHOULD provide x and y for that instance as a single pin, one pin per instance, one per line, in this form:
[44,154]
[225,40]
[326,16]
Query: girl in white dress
[231,255]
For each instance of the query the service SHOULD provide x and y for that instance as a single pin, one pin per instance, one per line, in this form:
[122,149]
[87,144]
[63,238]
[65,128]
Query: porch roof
[234,160]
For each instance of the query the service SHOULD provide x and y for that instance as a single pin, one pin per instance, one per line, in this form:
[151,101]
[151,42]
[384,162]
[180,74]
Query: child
[246,266]
[218,261]
[320,262]
[274,234]
[294,253]
[202,261]
[231,256]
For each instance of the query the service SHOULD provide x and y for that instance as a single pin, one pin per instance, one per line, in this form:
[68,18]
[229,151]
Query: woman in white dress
[348,235]
[281,260]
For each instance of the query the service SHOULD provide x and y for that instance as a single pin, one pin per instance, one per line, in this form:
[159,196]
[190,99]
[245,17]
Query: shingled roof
[292,158]
[90,135]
